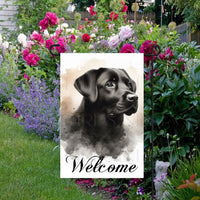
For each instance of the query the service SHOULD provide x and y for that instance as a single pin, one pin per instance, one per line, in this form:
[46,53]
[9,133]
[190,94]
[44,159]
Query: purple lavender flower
[39,108]
[1,59]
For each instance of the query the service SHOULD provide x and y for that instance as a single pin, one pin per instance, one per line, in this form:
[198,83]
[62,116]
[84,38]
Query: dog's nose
[132,97]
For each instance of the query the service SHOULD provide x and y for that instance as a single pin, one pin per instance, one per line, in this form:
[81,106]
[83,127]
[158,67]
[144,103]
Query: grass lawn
[29,167]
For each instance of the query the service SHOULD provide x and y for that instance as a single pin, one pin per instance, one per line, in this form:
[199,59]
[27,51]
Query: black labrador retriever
[108,94]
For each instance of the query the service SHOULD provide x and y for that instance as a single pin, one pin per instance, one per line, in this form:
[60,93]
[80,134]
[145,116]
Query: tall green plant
[29,13]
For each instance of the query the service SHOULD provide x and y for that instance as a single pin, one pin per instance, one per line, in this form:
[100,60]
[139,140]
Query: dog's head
[111,90]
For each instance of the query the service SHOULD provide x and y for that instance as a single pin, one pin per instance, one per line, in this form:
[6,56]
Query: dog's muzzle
[131,98]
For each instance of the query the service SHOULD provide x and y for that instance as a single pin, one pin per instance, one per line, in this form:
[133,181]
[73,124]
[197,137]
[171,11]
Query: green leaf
[188,125]
[197,69]
[171,84]
[159,119]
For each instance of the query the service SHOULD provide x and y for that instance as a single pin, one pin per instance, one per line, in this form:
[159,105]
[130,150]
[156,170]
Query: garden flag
[101,115]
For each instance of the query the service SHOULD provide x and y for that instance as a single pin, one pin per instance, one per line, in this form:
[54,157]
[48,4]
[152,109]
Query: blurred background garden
[30,93]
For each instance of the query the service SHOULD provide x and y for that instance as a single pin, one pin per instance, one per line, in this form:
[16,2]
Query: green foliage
[176,110]
[184,169]
[149,9]
[31,12]
[83,4]
[190,10]
[9,107]
[132,194]
[8,74]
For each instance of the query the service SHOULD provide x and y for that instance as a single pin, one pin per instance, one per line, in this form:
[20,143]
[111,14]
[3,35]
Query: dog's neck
[97,122]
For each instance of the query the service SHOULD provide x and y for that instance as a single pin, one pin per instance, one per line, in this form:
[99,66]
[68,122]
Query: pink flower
[91,11]
[81,27]
[168,55]
[25,53]
[86,37]
[44,23]
[148,74]
[16,115]
[181,61]
[73,38]
[32,59]
[150,30]
[49,42]
[146,48]
[127,48]
[125,8]
[53,19]
[62,46]
[49,20]
[106,188]
[58,33]
[114,42]
[29,43]
[67,188]
[113,16]
[126,32]
[115,197]
[37,37]
[26,77]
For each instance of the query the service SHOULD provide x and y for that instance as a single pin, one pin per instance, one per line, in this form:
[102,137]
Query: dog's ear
[131,82]
[87,86]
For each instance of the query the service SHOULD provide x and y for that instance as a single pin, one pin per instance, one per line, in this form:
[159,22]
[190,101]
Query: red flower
[146,48]
[86,37]
[189,183]
[49,42]
[127,48]
[113,15]
[26,77]
[91,11]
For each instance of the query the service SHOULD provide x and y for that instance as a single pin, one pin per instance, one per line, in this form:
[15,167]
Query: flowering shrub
[39,108]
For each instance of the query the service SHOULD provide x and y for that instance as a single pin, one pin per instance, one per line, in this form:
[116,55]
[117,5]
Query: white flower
[20,27]
[91,46]
[5,45]
[92,35]
[70,30]
[126,32]
[22,39]
[46,33]
[114,42]
[64,25]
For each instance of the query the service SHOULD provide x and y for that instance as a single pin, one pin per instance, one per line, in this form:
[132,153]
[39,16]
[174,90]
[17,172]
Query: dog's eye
[110,84]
